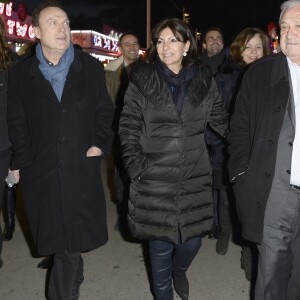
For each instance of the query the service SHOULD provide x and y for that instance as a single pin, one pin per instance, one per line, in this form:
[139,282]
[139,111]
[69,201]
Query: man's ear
[204,46]
[36,31]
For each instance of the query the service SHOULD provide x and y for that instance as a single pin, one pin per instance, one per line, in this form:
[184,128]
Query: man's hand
[16,175]
[94,151]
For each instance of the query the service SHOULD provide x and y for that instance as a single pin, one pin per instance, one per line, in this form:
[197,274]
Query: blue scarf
[177,83]
[57,74]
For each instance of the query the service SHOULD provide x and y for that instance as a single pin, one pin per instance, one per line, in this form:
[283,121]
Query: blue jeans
[167,260]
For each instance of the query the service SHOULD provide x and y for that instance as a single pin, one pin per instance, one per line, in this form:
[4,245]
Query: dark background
[130,15]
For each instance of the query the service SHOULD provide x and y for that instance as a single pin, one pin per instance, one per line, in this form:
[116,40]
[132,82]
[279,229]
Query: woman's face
[254,50]
[170,50]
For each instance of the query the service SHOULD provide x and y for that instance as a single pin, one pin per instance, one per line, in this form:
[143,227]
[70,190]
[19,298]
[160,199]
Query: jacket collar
[280,68]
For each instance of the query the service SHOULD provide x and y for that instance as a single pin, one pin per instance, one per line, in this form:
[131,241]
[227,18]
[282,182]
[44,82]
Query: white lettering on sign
[13,25]
[105,42]
[8,10]
[21,29]
[10,26]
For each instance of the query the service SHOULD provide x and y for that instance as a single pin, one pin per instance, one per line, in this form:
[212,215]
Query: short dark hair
[43,5]
[182,33]
[213,28]
[127,33]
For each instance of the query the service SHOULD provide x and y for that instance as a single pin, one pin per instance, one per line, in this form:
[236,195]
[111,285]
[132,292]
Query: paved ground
[118,270]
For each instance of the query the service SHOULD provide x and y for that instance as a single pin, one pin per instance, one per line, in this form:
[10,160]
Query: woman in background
[248,46]
[168,104]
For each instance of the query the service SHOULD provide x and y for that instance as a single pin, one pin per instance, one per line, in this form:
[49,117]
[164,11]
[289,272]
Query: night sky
[130,15]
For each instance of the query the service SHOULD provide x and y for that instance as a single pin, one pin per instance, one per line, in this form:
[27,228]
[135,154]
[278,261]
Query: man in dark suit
[265,161]
[60,117]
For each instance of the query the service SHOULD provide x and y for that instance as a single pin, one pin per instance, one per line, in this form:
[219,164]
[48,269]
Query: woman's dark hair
[182,33]
[6,58]
[43,5]
[241,40]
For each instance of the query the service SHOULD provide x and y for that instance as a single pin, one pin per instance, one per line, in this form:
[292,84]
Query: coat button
[61,140]
[259,204]
[271,142]
[268,175]
[61,164]
[288,171]
[290,143]
[278,109]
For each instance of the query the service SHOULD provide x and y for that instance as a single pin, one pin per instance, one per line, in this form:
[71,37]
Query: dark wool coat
[62,187]
[255,128]
[166,156]
[5,143]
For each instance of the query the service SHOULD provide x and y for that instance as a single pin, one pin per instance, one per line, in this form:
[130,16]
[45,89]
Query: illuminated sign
[105,42]
[18,24]
[96,41]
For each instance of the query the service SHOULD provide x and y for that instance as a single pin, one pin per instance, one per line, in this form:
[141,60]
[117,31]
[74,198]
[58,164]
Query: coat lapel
[40,83]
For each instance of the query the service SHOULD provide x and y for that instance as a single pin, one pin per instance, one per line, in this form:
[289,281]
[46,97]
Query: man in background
[214,55]
[117,74]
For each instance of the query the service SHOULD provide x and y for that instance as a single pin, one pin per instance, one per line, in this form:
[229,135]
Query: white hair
[287,4]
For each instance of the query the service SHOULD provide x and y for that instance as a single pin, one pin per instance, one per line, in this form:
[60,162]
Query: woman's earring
[184,53]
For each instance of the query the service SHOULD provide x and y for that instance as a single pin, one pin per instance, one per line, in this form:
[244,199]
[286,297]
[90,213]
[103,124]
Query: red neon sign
[16,29]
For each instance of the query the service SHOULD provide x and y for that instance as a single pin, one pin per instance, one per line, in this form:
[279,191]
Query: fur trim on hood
[114,64]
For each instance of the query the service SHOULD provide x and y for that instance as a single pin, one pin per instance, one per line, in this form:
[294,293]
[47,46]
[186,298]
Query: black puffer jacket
[166,156]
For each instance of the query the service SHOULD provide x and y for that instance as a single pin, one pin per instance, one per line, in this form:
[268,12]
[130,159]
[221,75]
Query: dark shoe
[181,286]
[223,243]
[211,236]
[76,287]
[44,263]
[1,262]
[9,230]
[246,265]
[215,232]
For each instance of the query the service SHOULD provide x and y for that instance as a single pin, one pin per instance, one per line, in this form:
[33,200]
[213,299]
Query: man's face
[290,34]
[53,31]
[213,43]
[129,48]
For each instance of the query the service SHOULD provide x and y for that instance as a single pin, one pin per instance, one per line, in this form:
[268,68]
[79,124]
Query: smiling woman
[167,106]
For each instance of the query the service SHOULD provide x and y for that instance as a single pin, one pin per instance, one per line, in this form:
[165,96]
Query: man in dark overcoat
[60,118]
[264,148]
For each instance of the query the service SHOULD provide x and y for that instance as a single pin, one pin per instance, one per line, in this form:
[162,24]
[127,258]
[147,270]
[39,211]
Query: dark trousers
[169,260]
[279,253]
[225,210]
[4,164]
[66,271]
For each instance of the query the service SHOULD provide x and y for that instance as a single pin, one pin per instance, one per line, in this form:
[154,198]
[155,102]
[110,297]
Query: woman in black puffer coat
[168,104]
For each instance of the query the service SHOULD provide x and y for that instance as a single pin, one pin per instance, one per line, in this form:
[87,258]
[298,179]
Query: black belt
[294,186]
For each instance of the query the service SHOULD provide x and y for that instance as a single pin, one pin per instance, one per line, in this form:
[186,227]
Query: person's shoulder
[87,59]
[113,65]
[202,69]
[23,65]
[268,60]
[141,68]
[85,55]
